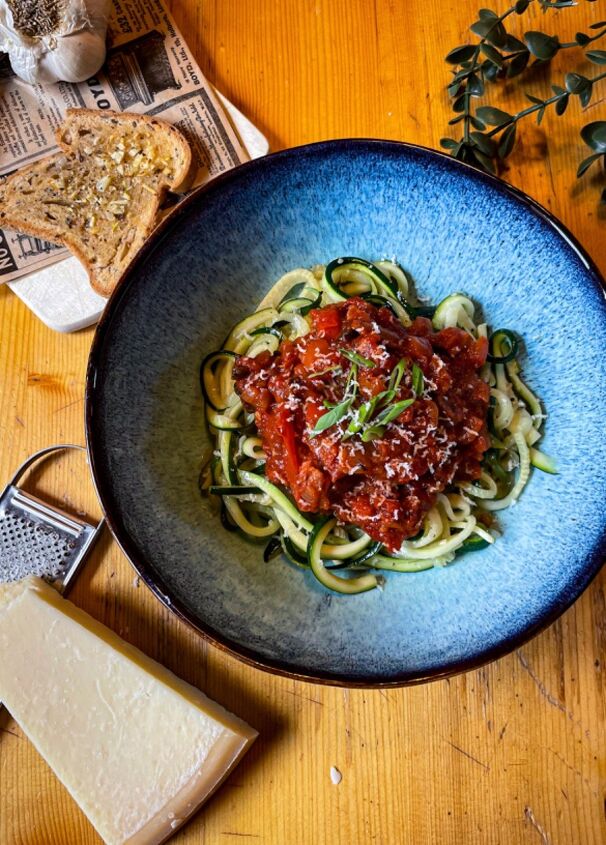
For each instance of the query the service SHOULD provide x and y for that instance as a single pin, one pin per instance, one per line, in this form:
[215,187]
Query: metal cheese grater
[37,538]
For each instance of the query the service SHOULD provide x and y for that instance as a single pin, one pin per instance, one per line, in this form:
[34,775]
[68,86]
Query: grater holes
[31,548]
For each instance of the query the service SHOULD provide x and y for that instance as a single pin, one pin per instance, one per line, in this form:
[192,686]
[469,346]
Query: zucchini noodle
[344,558]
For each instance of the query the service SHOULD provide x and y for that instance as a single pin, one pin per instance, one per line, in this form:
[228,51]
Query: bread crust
[134,228]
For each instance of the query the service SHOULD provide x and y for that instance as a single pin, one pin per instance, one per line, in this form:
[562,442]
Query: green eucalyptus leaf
[490,71]
[456,120]
[488,15]
[454,89]
[493,54]
[484,162]
[562,105]
[460,54]
[540,115]
[514,45]
[481,28]
[598,25]
[465,153]
[594,135]
[518,64]
[475,86]
[521,6]
[493,116]
[542,46]
[582,39]
[459,103]
[585,95]
[534,100]
[575,83]
[598,57]
[507,141]
[487,145]
[448,143]
[477,124]
[460,75]
[603,197]
[492,30]
[587,162]
[557,89]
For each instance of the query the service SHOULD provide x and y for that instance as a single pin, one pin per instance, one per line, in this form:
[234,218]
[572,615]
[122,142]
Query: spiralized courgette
[343,558]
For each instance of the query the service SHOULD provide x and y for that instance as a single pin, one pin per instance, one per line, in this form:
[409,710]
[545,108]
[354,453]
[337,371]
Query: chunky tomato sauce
[387,484]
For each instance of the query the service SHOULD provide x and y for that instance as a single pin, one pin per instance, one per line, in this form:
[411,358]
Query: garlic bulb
[54,40]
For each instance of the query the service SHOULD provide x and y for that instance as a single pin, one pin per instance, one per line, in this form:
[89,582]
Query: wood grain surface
[511,753]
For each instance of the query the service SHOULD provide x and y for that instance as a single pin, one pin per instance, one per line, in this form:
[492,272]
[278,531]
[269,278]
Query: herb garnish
[339,411]
[393,411]
[418,380]
[380,403]
[356,359]
[500,55]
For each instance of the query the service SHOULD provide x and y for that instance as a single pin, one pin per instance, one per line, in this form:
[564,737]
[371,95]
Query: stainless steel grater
[37,538]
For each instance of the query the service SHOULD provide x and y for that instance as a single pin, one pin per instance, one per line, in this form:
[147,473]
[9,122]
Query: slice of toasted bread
[100,195]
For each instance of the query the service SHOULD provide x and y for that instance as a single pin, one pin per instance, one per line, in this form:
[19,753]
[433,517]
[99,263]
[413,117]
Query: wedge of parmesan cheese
[137,748]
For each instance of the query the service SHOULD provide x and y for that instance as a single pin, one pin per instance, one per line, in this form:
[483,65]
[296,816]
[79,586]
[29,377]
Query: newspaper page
[149,69]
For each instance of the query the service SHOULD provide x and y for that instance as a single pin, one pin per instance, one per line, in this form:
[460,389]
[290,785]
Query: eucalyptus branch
[497,55]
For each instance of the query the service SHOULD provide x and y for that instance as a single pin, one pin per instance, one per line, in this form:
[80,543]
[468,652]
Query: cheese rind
[137,748]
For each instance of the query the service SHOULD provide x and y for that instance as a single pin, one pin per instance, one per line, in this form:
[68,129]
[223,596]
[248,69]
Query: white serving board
[61,295]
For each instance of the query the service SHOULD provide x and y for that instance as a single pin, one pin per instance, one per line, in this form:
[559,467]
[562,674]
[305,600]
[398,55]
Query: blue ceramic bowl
[453,229]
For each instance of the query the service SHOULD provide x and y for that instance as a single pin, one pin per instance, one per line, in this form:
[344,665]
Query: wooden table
[511,753]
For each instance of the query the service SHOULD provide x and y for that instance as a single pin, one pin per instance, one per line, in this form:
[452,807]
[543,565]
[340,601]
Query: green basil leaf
[332,417]
[373,433]
[393,411]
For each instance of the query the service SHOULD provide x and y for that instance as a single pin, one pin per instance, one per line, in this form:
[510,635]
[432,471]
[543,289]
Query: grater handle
[41,453]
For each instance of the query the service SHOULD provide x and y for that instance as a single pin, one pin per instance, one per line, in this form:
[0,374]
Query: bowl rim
[103,485]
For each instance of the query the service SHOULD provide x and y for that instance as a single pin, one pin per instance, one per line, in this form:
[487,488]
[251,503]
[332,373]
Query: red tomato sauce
[384,486]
